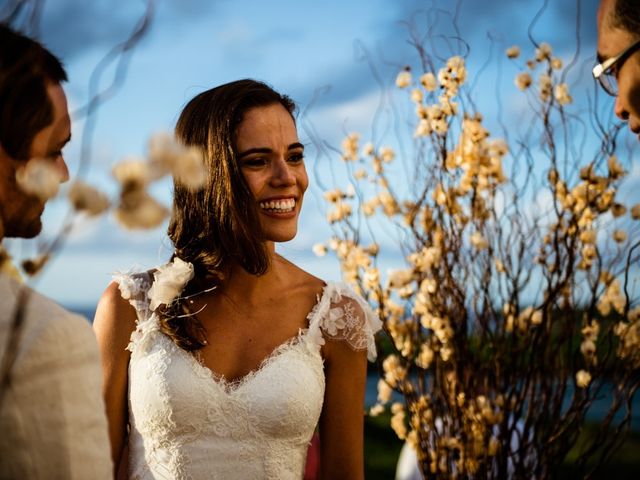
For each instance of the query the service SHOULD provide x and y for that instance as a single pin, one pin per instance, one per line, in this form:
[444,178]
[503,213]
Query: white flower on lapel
[168,282]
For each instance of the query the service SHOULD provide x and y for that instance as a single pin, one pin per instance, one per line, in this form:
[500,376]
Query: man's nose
[619,110]
[62,168]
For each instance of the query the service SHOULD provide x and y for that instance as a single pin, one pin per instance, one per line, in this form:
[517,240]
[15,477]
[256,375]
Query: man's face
[611,42]
[20,212]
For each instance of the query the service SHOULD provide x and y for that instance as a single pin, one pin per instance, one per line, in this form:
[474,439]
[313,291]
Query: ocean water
[597,412]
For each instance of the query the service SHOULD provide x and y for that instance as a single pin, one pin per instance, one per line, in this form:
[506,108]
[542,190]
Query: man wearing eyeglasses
[618,70]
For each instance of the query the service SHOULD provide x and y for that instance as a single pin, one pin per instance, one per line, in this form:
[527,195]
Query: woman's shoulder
[132,283]
[342,314]
[297,278]
[124,299]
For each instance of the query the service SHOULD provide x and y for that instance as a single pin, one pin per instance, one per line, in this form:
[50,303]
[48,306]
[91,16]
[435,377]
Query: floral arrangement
[168,282]
[134,207]
[514,310]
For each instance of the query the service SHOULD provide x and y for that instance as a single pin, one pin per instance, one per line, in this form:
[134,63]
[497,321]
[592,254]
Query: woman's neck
[254,288]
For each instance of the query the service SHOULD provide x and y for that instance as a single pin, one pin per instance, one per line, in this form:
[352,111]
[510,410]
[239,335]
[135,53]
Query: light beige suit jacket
[52,420]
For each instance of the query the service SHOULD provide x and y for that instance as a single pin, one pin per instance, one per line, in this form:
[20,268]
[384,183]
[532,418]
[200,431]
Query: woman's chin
[281,235]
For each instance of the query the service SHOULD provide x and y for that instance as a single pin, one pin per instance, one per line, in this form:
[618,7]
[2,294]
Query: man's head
[34,124]
[619,54]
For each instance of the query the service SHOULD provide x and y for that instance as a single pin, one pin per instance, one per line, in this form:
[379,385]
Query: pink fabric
[312,469]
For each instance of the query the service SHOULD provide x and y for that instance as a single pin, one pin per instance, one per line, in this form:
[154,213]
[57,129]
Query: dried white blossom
[425,357]
[397,420]
[620,236]
[334,196]
[138,210]
[162,152]
[87,199]
[350,147]
[384,391]
[189,169]
[168,282]
[403,80]
[543,52]
[387,154]
[562,94]
[376,410]
[583,379]
[40,178]
[478,241]
[423,128]
[513,52]
[545,84]
[556,63]
[429,82]
[132,172]
[341,211]
[319,249]
[588,236]
[523,80]
[618,210]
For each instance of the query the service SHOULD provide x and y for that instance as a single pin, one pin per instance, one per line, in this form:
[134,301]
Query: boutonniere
[168,282]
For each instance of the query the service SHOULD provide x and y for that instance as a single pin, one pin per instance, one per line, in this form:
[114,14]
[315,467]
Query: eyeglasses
[606,72]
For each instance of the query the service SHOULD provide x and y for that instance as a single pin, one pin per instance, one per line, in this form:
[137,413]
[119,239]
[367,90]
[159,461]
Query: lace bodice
[186,422]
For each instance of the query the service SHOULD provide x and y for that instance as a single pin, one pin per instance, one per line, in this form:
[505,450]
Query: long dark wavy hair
[217,226]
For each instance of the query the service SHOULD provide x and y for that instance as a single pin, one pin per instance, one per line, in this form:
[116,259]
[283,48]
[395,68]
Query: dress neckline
[234,385]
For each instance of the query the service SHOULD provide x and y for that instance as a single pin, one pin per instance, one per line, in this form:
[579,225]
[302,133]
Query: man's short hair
[26,69]
[626,15]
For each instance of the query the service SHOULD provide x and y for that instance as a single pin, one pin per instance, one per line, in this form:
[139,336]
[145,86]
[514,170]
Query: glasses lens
[609,83]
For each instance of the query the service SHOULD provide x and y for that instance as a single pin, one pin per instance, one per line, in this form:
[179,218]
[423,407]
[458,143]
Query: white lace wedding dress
[188,423]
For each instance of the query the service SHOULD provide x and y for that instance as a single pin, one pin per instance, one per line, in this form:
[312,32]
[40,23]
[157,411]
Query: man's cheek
[634,98]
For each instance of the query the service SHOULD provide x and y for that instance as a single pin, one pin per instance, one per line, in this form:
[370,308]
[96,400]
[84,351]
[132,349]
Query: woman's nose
[282,174]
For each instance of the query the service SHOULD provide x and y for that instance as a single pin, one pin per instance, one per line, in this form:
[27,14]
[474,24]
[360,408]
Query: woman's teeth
[279,206]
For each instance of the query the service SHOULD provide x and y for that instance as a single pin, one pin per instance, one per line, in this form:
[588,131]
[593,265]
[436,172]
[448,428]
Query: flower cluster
[135,208]
[483,307]
[548,88]
[168,282]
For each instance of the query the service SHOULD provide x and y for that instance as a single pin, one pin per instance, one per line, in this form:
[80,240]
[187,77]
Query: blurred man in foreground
[618,70]
[52,417]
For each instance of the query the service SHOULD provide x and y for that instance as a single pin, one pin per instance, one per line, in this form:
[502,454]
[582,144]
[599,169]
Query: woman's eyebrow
[254,150]
[264,150]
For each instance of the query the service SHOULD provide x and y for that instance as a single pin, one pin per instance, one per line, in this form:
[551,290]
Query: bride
[222,362]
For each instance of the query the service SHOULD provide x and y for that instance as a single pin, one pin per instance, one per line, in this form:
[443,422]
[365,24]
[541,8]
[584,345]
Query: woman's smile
[279,206]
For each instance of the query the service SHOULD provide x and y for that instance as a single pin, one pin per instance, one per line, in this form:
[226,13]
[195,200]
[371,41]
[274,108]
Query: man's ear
[4,156]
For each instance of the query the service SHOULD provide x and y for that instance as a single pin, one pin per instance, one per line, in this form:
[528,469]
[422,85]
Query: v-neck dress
[188,423]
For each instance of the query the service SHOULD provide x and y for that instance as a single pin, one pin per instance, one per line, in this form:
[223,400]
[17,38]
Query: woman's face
[272,163]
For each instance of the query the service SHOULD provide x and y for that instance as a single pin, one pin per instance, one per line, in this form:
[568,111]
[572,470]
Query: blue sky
[319,53]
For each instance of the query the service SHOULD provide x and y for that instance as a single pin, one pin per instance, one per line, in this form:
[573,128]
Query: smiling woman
[272,163]
[218,361]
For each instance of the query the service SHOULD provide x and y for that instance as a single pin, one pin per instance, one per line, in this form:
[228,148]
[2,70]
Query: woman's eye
[296,158]
[254,162]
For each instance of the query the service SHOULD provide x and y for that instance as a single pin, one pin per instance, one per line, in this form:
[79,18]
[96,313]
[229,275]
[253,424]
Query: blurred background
[336,59]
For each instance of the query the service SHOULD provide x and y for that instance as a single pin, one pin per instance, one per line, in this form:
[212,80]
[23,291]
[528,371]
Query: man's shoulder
[43,320]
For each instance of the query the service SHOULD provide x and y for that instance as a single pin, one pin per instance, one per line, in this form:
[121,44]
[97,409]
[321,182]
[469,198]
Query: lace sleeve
[351,319]
[134,287]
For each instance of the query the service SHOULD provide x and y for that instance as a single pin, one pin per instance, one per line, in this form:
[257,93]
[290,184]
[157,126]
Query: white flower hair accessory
[168,282]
